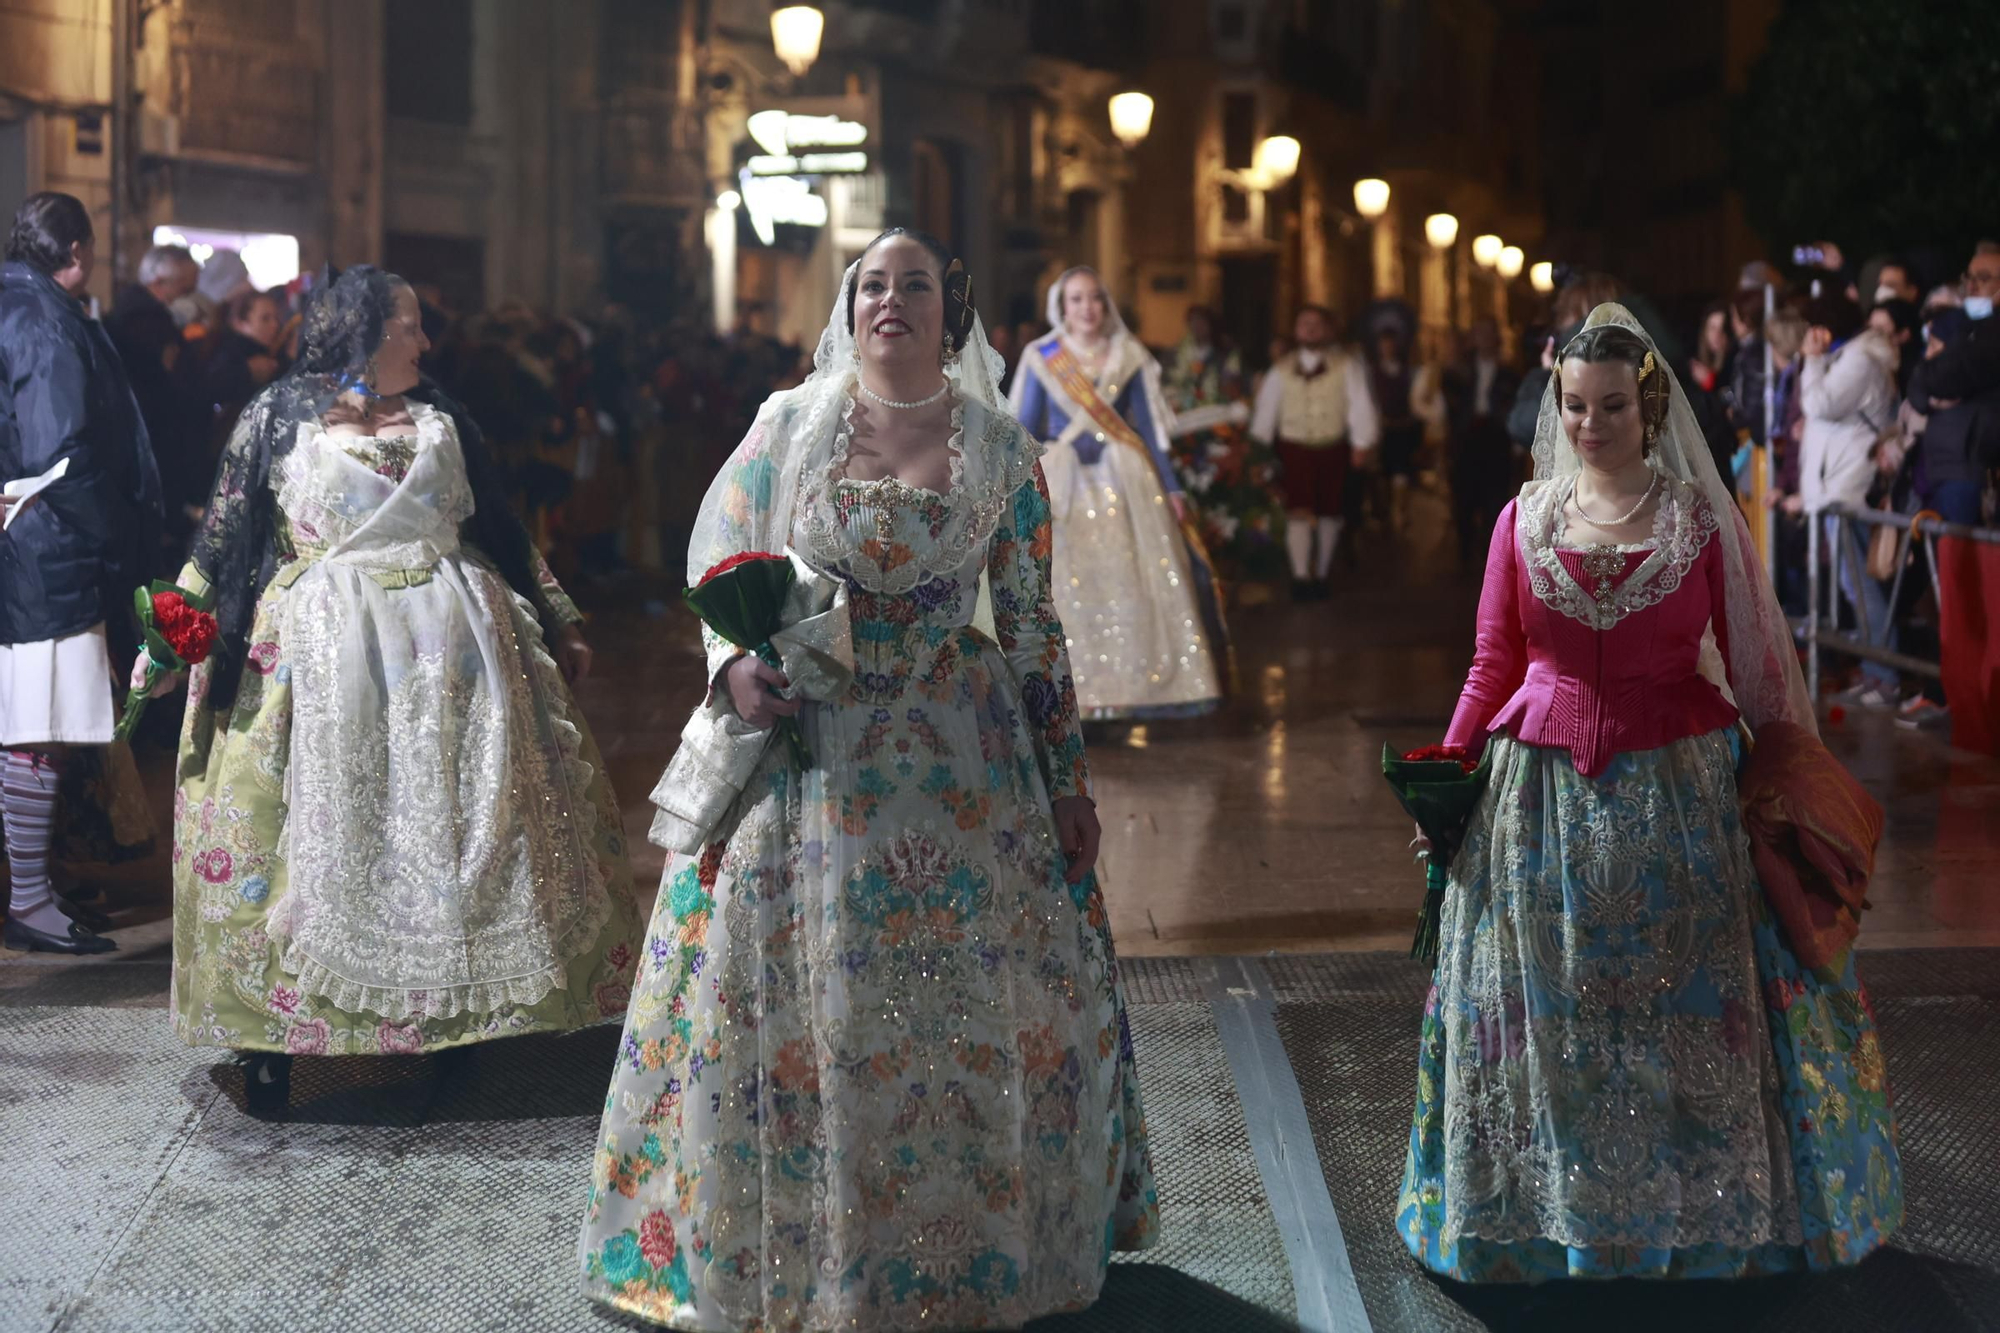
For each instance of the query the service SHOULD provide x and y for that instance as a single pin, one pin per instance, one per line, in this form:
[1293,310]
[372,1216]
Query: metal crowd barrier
[1915,527]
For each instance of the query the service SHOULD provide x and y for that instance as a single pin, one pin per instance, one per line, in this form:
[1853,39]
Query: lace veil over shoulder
[1763,665]
[798,431]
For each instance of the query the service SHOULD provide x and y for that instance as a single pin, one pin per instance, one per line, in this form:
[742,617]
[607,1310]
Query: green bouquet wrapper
[1439,789]
[743,600]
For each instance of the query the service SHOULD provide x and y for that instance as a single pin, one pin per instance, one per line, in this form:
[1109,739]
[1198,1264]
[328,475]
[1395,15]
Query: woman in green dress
[392,831]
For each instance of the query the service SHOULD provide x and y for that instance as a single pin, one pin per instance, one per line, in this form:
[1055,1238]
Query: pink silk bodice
[1596,651]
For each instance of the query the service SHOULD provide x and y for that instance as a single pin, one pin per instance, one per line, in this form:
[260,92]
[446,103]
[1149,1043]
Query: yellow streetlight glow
[1441,230]
[1131,118]
[1508,263]
[1543,276]
[1276,160]
[1371,198]
[795,34]
[1486,250]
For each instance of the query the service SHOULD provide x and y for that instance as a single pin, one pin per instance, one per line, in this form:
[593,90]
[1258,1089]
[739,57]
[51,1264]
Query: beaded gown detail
[398,834]
[877,1071]
[1624,1069]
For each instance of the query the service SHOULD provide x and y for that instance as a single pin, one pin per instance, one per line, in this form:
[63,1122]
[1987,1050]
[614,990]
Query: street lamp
[1441,230]
[1543,277]
[795,33]
[1276,160]
[1371,198]
[1509,261]
[1131,118]
[1486,250]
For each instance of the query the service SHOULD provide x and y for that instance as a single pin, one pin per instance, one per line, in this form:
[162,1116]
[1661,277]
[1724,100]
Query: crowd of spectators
[608,427]
[1886,396]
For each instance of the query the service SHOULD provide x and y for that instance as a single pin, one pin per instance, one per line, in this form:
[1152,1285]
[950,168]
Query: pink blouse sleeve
[1500,650]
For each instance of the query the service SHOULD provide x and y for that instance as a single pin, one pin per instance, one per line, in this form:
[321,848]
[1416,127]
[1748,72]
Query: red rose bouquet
[743,600]
[180,633]
[1439,785]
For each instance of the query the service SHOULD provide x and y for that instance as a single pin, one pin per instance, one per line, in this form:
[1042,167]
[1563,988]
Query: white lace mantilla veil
[1763,666]
[1125,346]
[792,421]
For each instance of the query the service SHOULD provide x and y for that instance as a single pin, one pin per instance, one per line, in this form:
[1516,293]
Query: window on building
[933,190]
[428,60]
[640,45]
[1239,130]
[454,265]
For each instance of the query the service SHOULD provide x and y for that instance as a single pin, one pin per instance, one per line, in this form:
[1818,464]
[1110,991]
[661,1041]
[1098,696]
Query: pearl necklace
[1622,519]
[943,389]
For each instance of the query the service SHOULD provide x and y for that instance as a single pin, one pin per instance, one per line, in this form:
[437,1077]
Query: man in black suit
[1478,392]
[148,339]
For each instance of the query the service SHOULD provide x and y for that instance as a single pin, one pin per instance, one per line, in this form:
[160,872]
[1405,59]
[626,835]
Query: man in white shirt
[1315,408]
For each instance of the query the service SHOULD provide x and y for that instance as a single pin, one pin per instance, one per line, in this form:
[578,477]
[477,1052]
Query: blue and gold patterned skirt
[1624,1072]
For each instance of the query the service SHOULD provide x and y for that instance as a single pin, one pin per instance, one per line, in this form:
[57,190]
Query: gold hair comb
[1647,367]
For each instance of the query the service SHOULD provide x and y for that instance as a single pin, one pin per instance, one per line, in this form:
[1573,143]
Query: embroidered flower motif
[396,1040]
[656,1239]
[619,958]
[263,657]
[284,1000]
[254,889]
[613,997]
[307,1038]
[214,865]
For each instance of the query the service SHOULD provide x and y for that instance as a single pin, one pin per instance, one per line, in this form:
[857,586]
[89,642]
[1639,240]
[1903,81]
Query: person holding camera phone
[1848,392]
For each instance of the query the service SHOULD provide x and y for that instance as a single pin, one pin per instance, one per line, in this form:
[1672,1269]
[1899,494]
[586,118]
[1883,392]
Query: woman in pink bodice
[1625,1071]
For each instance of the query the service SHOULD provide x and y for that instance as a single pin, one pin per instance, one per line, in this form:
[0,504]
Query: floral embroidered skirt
[1624,1071]
[231,985]
[877,1072]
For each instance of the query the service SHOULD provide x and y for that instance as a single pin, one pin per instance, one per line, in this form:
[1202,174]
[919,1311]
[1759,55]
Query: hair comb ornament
[1647,367]
[958,310]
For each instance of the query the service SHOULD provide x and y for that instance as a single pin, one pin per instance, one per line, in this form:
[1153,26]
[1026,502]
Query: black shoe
[87,917]
[81,939]
[1322,590]
[267,1084]
[1304,590]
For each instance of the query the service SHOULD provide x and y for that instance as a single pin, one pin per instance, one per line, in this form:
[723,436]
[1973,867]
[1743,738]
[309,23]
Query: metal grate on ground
[141,1198]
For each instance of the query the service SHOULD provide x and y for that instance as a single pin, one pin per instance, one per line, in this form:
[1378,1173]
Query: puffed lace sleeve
[1031,635]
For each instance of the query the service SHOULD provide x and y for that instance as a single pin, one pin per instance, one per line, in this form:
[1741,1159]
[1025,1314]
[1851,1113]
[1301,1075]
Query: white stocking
[1299,545]
[1328,532]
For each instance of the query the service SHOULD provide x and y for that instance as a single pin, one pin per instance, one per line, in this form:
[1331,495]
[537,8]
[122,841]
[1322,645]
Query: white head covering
[1763,665]
[796,425]
[224,277]
[1114,319]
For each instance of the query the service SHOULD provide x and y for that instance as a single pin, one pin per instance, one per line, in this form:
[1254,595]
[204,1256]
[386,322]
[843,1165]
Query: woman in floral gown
[392,831]
[1625,1070]
[877,1072]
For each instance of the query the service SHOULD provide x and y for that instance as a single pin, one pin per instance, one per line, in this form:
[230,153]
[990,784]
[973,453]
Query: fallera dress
[1133,584]
[877,1072]
[1624,1070]
[399,835]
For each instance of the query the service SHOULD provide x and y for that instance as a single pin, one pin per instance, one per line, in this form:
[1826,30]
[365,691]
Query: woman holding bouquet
[392,831]
[1626,1068]
[877,1073]
[1132,576]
